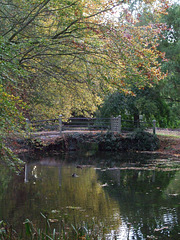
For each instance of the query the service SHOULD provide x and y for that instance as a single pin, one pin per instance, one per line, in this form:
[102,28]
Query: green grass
[168,135]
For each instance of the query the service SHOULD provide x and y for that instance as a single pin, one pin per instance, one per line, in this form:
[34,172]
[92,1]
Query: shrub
[144,141]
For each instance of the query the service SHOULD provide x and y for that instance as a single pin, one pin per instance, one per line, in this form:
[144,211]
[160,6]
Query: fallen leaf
[53,220]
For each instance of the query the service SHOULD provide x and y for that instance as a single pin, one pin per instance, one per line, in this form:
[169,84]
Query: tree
[71,44]
[170,44]
[11,120]
[146,102]
[71,49]
[11,106]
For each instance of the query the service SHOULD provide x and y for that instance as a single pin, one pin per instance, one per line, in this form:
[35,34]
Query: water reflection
[31,170]
[144,202]
[129,204]
[82,197]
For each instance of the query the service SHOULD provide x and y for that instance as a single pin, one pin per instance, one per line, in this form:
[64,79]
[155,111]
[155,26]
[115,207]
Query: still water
[120,194]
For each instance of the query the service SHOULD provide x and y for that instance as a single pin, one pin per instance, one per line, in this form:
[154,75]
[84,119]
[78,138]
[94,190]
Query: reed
[83,231]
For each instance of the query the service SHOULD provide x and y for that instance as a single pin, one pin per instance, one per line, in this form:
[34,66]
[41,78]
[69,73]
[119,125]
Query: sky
[115,16]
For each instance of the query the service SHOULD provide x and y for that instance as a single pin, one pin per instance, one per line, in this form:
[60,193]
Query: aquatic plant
[65,232]
[7,232]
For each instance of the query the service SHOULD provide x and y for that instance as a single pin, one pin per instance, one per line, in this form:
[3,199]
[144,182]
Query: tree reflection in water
[129,204]
[145,202]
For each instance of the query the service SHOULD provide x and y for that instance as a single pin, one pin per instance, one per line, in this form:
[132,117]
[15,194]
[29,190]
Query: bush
[138,140]
[144,141]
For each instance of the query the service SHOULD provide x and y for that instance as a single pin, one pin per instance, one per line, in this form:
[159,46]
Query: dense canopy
[60,54]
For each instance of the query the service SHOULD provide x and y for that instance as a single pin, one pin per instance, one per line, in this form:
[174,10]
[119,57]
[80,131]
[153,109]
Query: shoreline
[169,145]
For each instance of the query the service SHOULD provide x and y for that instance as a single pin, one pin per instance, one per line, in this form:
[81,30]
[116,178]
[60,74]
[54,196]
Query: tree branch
[30,20]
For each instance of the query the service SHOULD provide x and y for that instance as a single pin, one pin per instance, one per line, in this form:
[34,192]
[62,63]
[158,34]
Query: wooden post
[154,127]
[60,125]
[27,126]
[140,120]
[26,177]
[112,124]
[119,124]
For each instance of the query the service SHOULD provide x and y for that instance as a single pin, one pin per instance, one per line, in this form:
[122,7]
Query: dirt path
[168,132]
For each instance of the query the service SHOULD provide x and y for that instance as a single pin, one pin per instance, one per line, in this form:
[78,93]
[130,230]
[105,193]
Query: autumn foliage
[65,56]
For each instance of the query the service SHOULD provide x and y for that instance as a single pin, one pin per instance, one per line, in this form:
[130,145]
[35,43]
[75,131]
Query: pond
[121,196]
